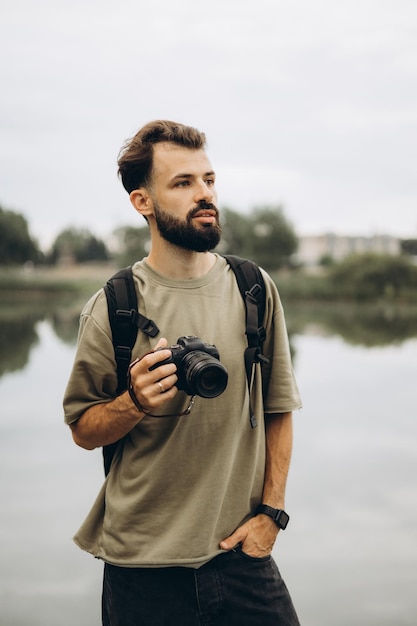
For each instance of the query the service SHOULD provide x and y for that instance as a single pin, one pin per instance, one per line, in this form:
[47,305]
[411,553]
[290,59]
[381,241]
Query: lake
[349,555]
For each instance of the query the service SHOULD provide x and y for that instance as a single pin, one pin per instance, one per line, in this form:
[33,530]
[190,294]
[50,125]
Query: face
[183,197]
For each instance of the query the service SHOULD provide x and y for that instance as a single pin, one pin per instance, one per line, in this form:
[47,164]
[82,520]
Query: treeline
[17,246]
[367,277]
[264,235]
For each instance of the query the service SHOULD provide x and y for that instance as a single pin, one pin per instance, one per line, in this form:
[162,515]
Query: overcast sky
[311,104]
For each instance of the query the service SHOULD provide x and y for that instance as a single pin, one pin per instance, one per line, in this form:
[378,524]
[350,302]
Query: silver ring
[161,387]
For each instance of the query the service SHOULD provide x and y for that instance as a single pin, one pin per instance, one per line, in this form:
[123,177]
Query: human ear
[141,201]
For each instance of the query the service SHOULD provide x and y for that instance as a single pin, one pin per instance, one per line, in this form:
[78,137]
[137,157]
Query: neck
[178,263]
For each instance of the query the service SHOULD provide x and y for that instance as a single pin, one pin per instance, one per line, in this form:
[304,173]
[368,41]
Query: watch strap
[280,517]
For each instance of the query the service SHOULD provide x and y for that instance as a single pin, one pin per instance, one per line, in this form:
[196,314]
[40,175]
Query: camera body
[199,370]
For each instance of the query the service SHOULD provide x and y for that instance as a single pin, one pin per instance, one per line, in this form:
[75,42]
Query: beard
[184,234]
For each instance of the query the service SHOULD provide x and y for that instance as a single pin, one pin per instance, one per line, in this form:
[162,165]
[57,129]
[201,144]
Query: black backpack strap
[121,304]
[252,288]
[125,320]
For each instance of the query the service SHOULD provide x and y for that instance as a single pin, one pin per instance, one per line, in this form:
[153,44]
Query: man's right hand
[106,422]
[153,387]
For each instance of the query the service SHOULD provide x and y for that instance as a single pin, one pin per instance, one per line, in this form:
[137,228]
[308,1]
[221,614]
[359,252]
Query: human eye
[182,183]
[210,181]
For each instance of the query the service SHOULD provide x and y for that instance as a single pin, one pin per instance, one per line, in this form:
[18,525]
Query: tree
[265,236]
[16,244]
[273,237]
[236,233]
[132,244]
[369,276]
[78,245]
[409,246]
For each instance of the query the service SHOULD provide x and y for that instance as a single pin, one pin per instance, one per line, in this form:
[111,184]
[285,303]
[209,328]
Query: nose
[204,192]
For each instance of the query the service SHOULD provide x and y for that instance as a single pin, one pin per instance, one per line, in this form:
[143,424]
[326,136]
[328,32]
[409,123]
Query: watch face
[283,519]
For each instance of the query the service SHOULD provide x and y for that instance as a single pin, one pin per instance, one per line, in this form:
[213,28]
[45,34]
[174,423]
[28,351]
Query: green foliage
[16,244]
[274,240]
[409,246]
[366,324]
[132,244]
[326,260]
[78,245]
[298,285]
[372,276]
[236,233]
[264,235]
[17,337]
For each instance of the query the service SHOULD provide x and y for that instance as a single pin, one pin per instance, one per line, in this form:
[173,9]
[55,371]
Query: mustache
[202,205]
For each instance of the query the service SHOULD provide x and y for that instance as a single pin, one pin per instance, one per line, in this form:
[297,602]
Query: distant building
[312,249]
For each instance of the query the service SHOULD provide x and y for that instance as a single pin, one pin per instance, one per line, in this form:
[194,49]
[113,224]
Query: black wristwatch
[280,517]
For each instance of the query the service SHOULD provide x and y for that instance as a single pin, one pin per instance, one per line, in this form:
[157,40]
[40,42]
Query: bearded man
[189,513]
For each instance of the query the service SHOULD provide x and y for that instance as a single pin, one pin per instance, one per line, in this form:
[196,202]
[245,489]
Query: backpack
[126,320]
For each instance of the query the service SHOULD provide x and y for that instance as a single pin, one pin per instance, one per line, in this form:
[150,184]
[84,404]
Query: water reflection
[352,482]
[17,338]
[18,322]
[65,325]
[357,325]
[362,325]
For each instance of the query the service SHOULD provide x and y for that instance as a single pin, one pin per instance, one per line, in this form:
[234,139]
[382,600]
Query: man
[176,522]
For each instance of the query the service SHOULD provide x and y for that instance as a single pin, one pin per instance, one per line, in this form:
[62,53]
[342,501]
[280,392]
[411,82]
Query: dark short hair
[136,156]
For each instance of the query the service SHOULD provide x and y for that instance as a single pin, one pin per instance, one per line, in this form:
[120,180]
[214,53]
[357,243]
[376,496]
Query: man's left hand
[256,537]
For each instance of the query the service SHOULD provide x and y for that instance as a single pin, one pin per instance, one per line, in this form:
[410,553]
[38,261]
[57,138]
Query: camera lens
[205,376]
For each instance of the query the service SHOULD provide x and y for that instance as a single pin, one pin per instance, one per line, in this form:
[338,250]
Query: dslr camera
[199,370]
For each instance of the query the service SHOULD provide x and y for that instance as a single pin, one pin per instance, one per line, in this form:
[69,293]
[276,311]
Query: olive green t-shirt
[179,485]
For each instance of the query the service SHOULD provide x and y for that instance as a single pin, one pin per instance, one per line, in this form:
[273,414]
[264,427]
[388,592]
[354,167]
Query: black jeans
[233,589]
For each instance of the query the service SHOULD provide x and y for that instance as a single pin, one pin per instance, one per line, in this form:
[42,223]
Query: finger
[150,396]
[146,383]
[151,359]
[233,540]
[163,371]
[162,343]
[166,382]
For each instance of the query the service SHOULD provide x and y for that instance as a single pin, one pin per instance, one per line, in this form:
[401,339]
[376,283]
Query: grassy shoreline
[59,295]
[49,280]
[83,280]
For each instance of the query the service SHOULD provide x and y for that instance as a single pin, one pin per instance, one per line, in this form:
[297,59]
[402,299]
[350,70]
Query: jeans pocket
[254,559]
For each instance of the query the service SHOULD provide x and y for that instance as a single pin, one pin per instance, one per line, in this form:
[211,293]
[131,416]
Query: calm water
[349,555]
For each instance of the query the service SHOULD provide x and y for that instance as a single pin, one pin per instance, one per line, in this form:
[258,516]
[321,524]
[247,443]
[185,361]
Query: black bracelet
[131,390]
[135,400]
